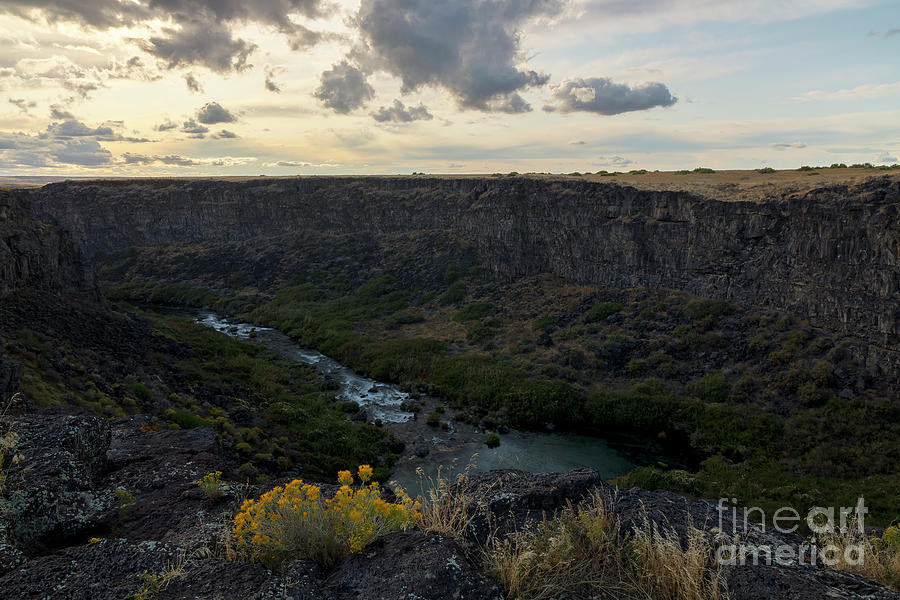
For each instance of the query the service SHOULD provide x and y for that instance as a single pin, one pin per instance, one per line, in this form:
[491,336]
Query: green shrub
[455,293]
[636,367]
[405,317]
[452,273]
[765,170]
[543,322]
[713,387]
[481,333]
[492,441]
[473,312]
[187,420]
[601,311]
[702,309]
[141,391]
[704,170]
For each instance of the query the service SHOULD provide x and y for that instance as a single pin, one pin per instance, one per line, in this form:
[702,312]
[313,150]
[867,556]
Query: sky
[300,87]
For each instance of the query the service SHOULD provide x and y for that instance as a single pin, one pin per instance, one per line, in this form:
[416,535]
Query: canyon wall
[35,254]
[831,255]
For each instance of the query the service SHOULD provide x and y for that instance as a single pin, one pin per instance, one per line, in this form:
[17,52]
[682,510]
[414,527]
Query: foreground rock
[410,564]
[514,500]
[65,532]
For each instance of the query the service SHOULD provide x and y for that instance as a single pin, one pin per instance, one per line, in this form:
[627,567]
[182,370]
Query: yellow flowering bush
[212,485]
[296,520]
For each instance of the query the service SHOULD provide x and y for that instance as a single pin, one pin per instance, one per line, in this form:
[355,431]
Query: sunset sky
[281,87]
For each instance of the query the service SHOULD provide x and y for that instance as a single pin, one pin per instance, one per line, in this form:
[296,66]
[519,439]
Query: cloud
[577,143]
[226,135]
[195,130]
[198,43]
[193,85]
[57,113]
[789,146]
[885,34]
[298,164]
[71,128]
[23,104]
[199,31]
[213,112]
[81,88]
[271,73]
[471,48]
[884,157]
[601,96]
[178,160]
[612,161]
[344,88]
[47,150]
[399,113]
[861,92]
[167,125]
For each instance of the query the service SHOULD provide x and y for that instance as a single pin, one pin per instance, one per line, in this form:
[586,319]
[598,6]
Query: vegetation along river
[448,449]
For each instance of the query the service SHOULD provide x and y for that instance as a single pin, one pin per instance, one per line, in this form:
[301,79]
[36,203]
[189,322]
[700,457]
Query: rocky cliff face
[64,530]
[831,255]
[35,253]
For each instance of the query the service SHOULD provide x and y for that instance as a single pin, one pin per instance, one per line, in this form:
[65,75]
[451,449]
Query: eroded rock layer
[831,255]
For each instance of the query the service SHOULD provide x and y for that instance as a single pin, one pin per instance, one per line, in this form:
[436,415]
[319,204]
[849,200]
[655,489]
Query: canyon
[830,254]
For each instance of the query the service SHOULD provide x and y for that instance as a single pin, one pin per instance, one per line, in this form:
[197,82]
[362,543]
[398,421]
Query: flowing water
[449,451]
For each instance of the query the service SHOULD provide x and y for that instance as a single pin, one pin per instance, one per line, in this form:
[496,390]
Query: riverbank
[442,447]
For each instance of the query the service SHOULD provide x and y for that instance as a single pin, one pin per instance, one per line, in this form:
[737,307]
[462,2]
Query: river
[449,451]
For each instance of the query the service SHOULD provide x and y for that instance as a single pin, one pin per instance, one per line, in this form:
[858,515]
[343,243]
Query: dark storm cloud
[399,113]
[468,47]
[201,31]
[213,112]
[601,96]
[193,85]
[344,88]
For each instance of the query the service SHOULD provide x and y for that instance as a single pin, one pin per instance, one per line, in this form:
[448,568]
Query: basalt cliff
[830,255]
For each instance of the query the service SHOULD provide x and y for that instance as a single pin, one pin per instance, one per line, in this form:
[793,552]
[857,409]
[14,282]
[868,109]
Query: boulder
[53,490]
[410,564]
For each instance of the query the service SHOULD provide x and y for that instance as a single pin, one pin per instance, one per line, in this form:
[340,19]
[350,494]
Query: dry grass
[445,504]
[673,571]
[582,552]
[874,558]
[8,438]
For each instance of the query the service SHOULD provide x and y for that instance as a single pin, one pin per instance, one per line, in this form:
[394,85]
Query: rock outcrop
[35,253]
[162,543]
[831,255]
